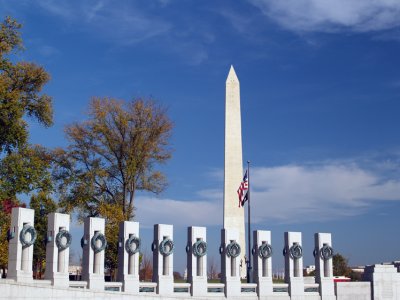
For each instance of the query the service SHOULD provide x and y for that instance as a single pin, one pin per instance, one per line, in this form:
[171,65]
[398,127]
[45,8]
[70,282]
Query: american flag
[242,191]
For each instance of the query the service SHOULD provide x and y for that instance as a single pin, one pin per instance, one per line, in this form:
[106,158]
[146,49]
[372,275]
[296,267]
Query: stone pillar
[20,254]
[385,281]
[93,253]
[294,265]
[230,262]
[128,256]
[197,260]
[323,263]
[163,259]
[57,249]
[262,261]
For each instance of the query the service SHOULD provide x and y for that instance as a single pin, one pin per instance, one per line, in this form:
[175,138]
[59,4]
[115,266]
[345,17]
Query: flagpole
[249,271]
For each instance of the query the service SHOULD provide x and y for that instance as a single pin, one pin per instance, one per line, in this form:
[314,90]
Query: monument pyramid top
[232,76]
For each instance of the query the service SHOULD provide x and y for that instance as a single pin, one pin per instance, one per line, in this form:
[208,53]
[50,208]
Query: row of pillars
[58,239]
[93,243]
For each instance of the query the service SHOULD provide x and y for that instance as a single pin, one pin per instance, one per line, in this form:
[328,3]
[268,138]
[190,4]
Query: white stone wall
[385,281]
[34,290]
[353,291]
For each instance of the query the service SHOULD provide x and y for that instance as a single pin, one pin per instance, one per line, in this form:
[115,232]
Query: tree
[340,265]
[212,269]
[177,276]
[22,168]
[112,155]
[20,85]
[25,171]
[146,267]
[43,205]
[113,215]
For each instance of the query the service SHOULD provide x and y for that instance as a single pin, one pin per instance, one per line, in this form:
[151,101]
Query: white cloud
[42,48]
[285,194]
[210,194]
[124,23]
[47,51]
[151,211]
[318,192]
[240,22]
[56,8]
[164,2]
[332,15]
[128,23]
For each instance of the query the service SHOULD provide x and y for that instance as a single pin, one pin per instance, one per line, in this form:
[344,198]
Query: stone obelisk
[233,175]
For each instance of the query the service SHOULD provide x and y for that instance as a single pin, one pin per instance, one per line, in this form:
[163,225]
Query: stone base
[130,284]
[327,289]
[326,297]
[21,276]
[165,285]
[385,281]
[233,288]
[199,287]
[296,288]
[353,290]
[96,282]
[60,280]
[265,287]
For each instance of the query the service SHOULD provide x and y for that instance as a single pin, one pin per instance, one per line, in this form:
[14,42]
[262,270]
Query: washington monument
[233,175]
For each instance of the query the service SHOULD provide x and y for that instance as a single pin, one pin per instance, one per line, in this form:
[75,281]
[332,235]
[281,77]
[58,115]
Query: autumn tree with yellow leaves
[112,155]
[24,168]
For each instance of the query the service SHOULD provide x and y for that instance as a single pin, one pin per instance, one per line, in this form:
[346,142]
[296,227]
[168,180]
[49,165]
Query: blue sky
[320,96]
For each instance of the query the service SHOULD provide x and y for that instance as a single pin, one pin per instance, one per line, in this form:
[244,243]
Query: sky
[320,100]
